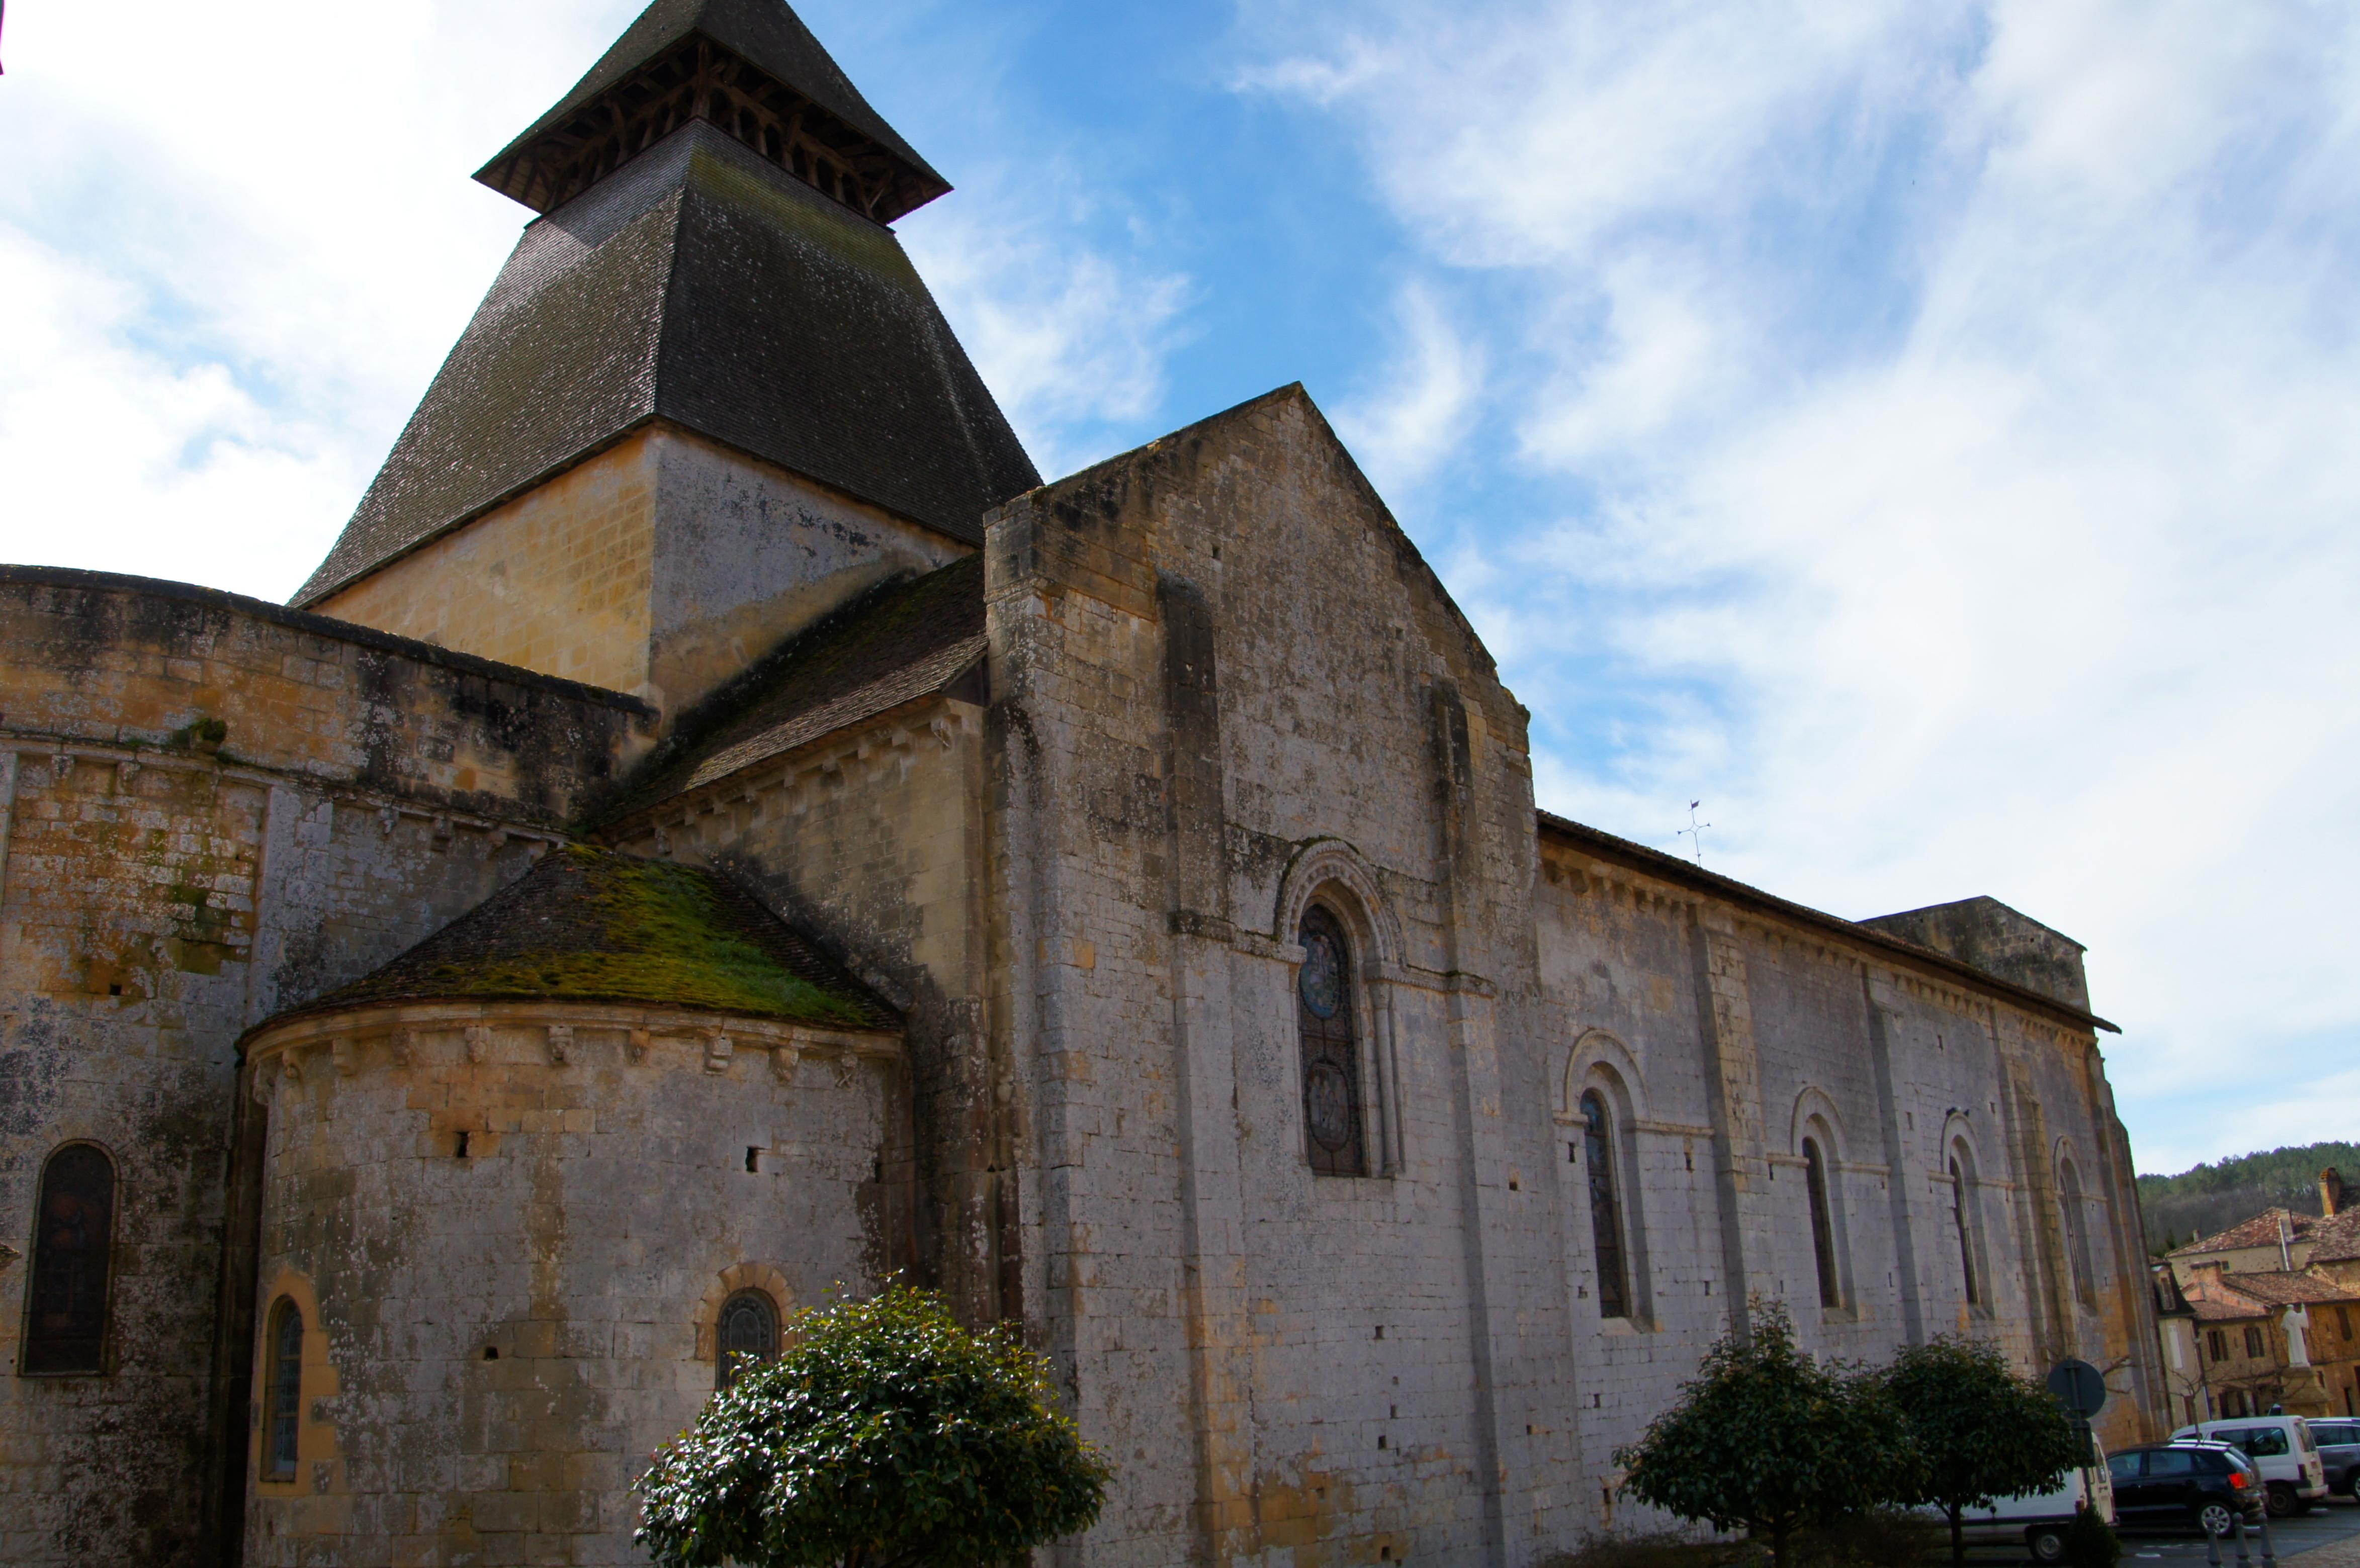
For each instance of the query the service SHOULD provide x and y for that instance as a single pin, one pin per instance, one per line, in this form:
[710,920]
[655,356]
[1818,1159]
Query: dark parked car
[2184,1485]
[2338,1452]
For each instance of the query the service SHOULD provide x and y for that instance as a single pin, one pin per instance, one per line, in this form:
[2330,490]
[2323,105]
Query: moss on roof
[594,925]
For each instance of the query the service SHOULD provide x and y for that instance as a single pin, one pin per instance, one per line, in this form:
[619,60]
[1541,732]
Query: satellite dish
[2079,1386]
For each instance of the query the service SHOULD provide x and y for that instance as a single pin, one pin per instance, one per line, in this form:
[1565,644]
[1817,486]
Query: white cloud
[1072,339]
[1959,398]
[1415,411]
[249,235]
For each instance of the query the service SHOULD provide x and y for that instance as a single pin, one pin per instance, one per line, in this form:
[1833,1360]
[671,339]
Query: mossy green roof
[594,925]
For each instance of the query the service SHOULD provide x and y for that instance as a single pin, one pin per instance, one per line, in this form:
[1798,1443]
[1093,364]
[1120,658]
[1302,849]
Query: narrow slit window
[1966,1239]
[1605,1207]
[2077,1234]
[1331,1064]
[73,1248]
[746,1336]
[283,1392]
[1823,1236]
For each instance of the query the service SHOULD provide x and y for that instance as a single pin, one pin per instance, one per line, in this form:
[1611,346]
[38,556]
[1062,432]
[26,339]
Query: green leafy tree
[1770,1441]
[887,1437]
[1984,1431]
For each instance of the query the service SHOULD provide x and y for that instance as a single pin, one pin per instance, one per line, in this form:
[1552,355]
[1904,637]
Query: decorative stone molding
[728,1282]
[1597,1053]
[1323,861]
[561,1043]
[420,1034]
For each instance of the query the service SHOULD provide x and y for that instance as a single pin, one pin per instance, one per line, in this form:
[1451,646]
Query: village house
[2270,1308]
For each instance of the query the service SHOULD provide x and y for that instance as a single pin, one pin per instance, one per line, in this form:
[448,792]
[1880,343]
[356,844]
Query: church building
[718,830]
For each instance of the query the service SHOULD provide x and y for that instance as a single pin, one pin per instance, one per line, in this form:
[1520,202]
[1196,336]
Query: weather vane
[1694,832]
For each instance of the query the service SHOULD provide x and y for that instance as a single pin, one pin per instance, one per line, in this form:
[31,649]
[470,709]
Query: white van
[2282,1449]
[2039,1521]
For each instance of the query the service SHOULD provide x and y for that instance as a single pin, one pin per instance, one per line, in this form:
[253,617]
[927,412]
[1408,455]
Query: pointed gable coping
[749,67]
[1095,489]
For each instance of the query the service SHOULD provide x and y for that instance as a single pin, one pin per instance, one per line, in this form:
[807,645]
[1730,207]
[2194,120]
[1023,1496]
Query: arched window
[282,1391]
[1966,1233]
[74,1242]
[2077,1232]
[1605,1207]
[1823,1230]
[747,1335]
[1331,1058]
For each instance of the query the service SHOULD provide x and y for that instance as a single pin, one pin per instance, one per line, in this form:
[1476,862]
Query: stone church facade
[718,829]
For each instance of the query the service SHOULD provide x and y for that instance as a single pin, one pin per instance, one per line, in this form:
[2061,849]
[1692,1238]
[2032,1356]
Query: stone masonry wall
[661,567]
[164,885]
[1223,683]
[1887,1065]
[871,839]
[511,1230]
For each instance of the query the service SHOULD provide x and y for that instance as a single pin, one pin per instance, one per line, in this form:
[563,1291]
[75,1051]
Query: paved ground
[2327,1537]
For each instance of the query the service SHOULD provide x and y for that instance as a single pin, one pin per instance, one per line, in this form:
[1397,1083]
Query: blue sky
[1924,430]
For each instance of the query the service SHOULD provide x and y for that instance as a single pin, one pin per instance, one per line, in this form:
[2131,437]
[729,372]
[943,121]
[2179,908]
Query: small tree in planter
[1984,1432]
[887,1437]
[1770,1441]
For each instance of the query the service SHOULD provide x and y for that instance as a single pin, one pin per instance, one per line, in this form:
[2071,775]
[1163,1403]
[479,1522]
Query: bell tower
[707,400]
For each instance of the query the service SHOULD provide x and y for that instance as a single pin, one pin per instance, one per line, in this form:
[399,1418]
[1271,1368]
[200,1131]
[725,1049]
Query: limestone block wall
[1223,685]
[164,884]
[511,1230]
[1723,1038]
[871,839]
[660,566]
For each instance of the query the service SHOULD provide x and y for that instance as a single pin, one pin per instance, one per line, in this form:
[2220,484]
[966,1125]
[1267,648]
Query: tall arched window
[1823,1230]
[1605,1207]
[1966,1233]
[2077,1232]
[1331,1058]
[73,1245]
[746,1336]
[282,1391]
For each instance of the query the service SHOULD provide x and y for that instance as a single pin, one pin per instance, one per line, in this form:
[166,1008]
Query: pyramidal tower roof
[711,253]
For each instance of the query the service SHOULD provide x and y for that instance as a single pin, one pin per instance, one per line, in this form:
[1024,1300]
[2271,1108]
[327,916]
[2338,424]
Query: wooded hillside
[2213,1197]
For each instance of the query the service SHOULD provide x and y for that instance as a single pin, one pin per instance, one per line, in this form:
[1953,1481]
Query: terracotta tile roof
[2208,1310]
[2336,1240]
[2262,1230]
[898,644]
[2280,1289]
[594,925]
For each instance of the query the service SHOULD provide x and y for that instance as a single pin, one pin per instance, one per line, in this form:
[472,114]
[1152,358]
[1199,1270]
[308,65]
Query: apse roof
[701,285]
[904,641]
[594,925]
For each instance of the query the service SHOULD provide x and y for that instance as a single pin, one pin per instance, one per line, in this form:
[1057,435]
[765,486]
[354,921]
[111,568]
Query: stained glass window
[65,1330]
[747,1335]
[1605,1207]
[282,1389]
[1966,1237]
[1823,1236]
[1331,1068]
